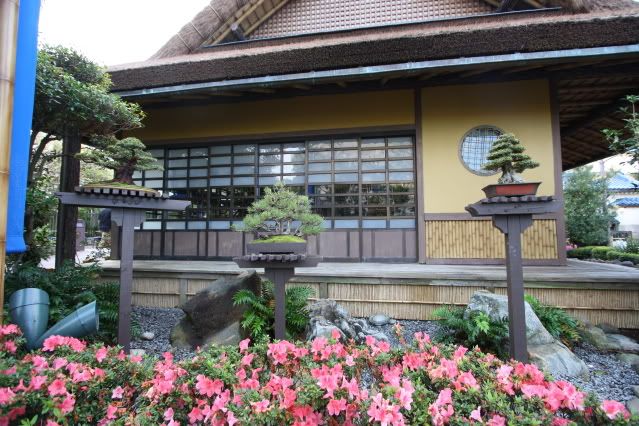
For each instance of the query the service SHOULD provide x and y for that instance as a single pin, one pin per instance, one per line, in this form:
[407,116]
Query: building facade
[382,113]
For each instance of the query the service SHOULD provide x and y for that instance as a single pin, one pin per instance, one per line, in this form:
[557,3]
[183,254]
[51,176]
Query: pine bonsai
[507,155]
[282,212]
[124,156]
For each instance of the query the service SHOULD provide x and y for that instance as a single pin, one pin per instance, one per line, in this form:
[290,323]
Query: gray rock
[633,406]
[622,343]
[327,315]
[558,359]
[496,306]
[628,263]
[596,337]
[392,321]
[137,352]
[629,359]
[379,320]
[147,335]
[635,390]
[210,317]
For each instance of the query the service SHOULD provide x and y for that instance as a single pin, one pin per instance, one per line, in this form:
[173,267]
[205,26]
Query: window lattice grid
[475,146]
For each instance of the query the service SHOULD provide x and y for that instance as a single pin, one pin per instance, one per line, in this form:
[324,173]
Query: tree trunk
[68,215]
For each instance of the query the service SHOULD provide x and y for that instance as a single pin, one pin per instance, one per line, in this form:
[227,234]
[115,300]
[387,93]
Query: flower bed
[324,382]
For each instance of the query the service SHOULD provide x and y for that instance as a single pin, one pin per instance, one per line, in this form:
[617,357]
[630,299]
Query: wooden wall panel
[478,239]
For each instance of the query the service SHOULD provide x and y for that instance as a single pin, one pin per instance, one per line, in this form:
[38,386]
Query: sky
[111,32]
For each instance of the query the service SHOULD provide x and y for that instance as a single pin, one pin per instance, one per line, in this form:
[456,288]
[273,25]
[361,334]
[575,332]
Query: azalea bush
[324,382]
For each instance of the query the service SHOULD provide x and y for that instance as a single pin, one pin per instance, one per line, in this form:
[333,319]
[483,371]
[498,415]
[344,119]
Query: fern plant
[474,329]
[558,322]
[259,317]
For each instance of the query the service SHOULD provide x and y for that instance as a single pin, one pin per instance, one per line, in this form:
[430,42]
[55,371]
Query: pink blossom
[244,344]
[384,412]
[352,387]
[168,414]
[476,414]
[57,387]
[459,353]
[612,409]
[405,394]
[531,391]
[9,329]
[466,381]
[52,423]
[195,415]
[67,405]
[10,346]
[336,406]
[279,351]
[101,354]
[559,421]
[335,334]
[230,418]
[37,382]
[6,395]
[59,363]
[318,344]
[111,412]
[496,420]
[260,407]
[117,393]
[207,386]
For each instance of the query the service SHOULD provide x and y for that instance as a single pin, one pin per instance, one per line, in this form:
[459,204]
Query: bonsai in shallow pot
[124,157]
[507,155]
[280,220]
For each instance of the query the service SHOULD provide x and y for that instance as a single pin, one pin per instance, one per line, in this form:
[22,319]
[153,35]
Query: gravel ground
[609,378]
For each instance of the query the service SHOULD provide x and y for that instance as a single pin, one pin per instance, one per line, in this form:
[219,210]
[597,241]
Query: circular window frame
[461,145]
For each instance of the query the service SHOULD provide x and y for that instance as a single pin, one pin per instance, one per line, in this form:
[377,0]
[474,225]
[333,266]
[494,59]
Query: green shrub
[613,255]
[632,246]
[601,252]
[634,258]
[557,321]
[69,288]
[259,317]
[580,253]
[477,329]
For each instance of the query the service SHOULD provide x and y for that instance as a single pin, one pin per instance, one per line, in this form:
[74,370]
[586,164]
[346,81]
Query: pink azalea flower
[336,406]
[244,344]
[260,407]
[57,387]
[496,420]
[459,353]
[9,329]
[111,412]
[58,363]
[466,381]
[476,414]
[67,405]
[384,412]
[230,418]
[101,354]
[39,363]
[207,386]
[612,409]
[168,414]
[52,423]
[559,421]
[37,382]
[195,415]
[117,393]
[6,395]
[10,346]
[352,387]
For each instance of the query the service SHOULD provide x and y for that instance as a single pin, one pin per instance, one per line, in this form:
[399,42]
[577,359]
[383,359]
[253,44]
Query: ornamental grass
[323,382]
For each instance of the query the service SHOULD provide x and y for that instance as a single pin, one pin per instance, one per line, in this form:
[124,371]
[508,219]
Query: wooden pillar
[279,277]
[68,214]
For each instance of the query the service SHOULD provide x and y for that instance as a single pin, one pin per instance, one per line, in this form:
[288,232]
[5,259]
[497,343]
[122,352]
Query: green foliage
[507,155]
[626,140]
[124,156]
[632,246]
[472,329]
[557,321]
[259,317]
[588,214]
[282,212]
[281,239]
[601,252]
[623,256]
[69,288]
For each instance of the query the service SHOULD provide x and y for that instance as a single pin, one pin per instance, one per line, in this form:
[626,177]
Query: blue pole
[24,94]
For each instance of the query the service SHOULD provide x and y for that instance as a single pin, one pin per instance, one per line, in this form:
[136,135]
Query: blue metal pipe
[23,99]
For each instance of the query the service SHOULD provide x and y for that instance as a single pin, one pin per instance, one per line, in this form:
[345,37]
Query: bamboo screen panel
[478,239]
[310,16]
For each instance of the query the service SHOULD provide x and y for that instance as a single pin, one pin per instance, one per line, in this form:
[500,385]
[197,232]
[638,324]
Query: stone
[633,406]
[628,263]
[596,337]
[378,320]
[392,321]
[558,359]
[327,315]
[622,343]
[496,306]
[635,390]
[137,352]
[543,350]
[629,359]
[608,328]
[210,316]
[147,335]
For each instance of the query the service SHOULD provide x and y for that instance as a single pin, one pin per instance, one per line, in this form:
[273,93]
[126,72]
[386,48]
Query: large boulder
[211,318]
[543,349]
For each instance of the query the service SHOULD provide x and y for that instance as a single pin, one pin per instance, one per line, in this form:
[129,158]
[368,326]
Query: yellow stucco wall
[307,113]
[448,112]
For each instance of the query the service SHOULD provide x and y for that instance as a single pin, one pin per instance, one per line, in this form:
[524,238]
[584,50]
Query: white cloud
[112,32]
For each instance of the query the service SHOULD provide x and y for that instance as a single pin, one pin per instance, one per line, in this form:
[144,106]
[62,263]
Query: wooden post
[513,226]
[68,214]
[8,47]
[279,277]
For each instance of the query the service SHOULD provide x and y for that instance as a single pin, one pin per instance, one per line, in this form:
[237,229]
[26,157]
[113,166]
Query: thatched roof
[219,15]
[489,35]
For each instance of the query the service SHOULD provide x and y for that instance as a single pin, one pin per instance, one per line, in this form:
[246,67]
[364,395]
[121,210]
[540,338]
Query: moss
[281,239]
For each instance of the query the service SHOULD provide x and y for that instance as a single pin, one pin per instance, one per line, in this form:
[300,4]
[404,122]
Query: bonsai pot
[511,189]
[276,248]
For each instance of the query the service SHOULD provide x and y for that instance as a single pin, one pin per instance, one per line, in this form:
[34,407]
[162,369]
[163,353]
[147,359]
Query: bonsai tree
[281,212]
[507,155]
[124,156]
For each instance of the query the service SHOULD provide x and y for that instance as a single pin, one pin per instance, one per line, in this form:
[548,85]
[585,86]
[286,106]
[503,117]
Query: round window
[474,148]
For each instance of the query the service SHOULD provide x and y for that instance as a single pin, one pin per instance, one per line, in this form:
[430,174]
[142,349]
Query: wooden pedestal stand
[279,268]
[512,215]
[128,209]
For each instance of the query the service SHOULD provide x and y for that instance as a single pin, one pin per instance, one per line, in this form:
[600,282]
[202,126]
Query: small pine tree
[124,156]
[507,155]
[282,212]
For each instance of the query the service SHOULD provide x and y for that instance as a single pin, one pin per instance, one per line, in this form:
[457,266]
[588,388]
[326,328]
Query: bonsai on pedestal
[280,220]
[507,155]
[124,157]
